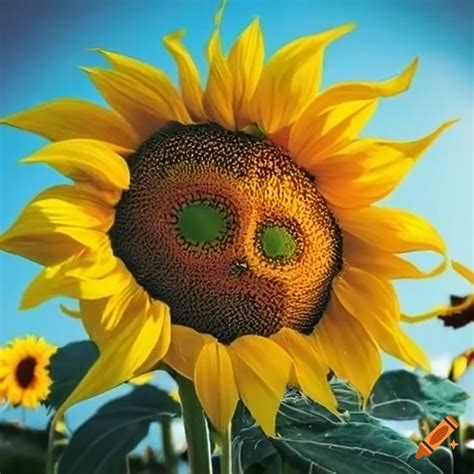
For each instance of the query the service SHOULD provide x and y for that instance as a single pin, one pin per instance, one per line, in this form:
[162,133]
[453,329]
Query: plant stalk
[171,459]
[196,429]
[50,461]
[226,456]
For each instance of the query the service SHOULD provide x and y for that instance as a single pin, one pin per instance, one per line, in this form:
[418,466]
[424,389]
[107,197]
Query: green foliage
[309,437]
[102,443]
[402,395]
[67,367]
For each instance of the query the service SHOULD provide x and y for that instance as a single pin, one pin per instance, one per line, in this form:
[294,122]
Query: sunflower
[229,230]
[24,375]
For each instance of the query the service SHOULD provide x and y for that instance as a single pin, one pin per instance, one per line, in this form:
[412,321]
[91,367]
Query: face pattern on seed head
[228,231]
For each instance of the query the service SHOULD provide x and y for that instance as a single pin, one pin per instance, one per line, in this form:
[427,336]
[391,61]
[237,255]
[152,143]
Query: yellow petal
[373,302]
[309,366]
[360,174]
[64,119]
[104,317]
[160,312]
[218,96]
[245,65]
[347,92]
[88,275]
[262,370]
[366,170]
[348,349]
[290,80]
[142,379]
[50,248]
[85,160]
[152,79]
[391,230]
[384,264]
[467,273]
[441,311]
[361,292]
[121,359]
[141,107]
[47,229]
[415,148]
[314,135]
[191,89]
[185,346]
[215,385]
[460,364]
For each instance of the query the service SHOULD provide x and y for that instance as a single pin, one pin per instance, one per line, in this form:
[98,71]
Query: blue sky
[44,41]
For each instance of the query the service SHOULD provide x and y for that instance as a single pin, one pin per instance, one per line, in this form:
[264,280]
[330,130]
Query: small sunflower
[229,230]
[24,376]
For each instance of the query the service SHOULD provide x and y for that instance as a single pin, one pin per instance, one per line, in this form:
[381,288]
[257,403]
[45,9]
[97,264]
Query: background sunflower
[360,66]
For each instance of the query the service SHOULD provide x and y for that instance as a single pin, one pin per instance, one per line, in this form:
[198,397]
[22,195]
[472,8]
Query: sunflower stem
[50,462]
[171,459]
[195,426]
[226,455]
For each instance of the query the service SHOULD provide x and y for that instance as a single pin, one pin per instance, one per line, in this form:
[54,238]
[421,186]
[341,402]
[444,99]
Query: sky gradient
[42,42]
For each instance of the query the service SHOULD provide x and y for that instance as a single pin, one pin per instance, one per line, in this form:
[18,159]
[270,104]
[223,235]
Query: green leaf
[347,397]
[311,439]
[67,368]
[252,451]
[402,395]
[101,444]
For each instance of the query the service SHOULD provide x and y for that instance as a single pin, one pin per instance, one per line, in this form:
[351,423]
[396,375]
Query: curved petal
[464,271]
[58,223]
[64,119]
[361,292]
[185,346]
[360,174]
[387,265]
[85,160]
[290,80]
[461,364]
[310,369]
[464,304]
[218,97]
[245,66]
[154,80]
[262,370]
[315,135]
[146,111]
[348,349]
[122,358]
[51,247]
[347,92]
[215,385]
[160,312]
[191,89]
[414,149]
[391,230]
[92,274]
[102,317]
[373,302]
[366,171]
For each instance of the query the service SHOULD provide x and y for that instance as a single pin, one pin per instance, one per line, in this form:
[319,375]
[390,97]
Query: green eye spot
[200,223]
[277,242]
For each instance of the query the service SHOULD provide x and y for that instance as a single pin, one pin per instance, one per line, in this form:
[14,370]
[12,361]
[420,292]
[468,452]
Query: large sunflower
[229,230]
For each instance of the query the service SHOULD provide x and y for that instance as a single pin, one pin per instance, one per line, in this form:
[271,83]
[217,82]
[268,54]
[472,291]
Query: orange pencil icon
[437,436]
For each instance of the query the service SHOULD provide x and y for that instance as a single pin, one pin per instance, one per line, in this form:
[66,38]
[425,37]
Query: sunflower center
[25,372]
[227,230]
